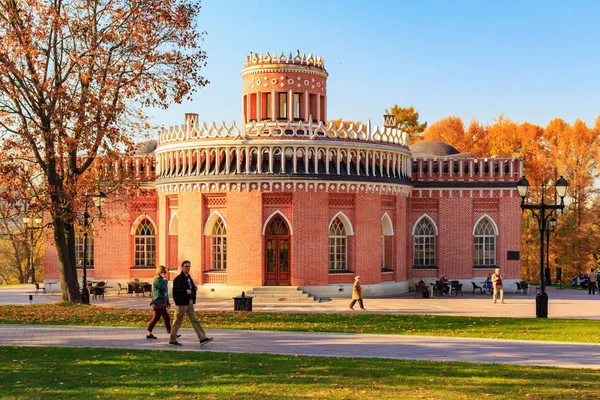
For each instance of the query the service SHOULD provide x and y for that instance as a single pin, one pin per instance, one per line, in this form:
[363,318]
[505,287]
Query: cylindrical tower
[261,204]
[284,88]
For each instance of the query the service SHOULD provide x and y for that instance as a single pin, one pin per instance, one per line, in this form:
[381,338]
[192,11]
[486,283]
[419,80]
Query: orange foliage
[74,77]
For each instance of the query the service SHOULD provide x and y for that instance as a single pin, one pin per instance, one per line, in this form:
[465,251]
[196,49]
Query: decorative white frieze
[285,186]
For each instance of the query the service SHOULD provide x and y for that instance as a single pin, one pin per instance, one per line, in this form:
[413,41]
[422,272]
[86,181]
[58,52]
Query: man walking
[184,295]
[498,285]
[592,285]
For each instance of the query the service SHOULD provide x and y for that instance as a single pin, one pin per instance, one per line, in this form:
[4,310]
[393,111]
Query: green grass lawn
[564,330]
[83,373]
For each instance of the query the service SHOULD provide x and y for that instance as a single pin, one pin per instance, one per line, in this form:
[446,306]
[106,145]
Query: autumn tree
[408,121]
[450,130]
[73,78]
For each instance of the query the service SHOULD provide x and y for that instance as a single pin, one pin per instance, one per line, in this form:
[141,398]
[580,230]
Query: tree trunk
[64,239]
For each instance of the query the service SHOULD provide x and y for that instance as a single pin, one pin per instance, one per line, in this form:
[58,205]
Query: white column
[319,107]
[259,106]
[247,159]
[295,159]
[290,106]
[259,160]
[306,106]
[306,160]
[274,102]
[227,160]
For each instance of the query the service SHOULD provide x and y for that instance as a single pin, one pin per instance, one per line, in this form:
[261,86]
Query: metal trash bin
[242,303]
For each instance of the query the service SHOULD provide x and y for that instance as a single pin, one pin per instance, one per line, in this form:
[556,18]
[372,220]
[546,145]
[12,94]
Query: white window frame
[218,246]
[424,245]
[484,242]
[338,246]
[145,245]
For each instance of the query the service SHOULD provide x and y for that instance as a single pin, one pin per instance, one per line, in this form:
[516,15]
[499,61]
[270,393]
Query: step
[277,301]
[299,294]
[280,294]
[276,289]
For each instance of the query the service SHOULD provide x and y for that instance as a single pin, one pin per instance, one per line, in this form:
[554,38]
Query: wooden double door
[277,253]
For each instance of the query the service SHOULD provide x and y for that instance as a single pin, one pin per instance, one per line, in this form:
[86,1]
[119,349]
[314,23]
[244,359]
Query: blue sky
[529,60]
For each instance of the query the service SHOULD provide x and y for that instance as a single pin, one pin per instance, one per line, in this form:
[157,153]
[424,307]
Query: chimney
[191,119]
[389,121]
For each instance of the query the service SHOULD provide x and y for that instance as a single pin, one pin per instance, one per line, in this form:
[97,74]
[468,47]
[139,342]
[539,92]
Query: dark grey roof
[437,149]
[146,147]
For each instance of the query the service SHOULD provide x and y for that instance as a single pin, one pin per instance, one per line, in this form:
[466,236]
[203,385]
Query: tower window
[297,99]
[282,105]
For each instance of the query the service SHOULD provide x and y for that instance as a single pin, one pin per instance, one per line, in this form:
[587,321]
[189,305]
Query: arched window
[219,245]
[338,246]
[89,258]
[485,243]
[277,227]
[387,237]
[424,244]
[145,244]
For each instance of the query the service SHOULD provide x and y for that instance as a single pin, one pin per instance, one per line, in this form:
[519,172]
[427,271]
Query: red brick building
[288,199]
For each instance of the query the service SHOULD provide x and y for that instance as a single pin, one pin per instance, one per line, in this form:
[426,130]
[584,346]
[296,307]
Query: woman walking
[357,294]
[160,301]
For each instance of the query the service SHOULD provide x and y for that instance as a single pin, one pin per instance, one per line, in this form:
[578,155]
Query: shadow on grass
[59,373]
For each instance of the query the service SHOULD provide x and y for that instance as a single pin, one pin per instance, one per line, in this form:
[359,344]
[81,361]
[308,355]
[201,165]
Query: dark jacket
[180,287]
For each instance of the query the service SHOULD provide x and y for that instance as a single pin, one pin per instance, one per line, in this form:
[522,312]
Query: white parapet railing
[283,129]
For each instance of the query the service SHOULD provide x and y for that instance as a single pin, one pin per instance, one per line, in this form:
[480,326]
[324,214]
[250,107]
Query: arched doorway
[277,251]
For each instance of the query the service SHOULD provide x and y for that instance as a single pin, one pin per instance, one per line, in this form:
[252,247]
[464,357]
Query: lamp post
[551,227]
[542,212]
[98,199]
[31,223]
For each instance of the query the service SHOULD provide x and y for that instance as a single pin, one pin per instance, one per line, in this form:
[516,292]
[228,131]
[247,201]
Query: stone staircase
[280,295]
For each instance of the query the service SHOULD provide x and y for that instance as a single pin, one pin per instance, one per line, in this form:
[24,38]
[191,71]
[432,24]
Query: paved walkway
[315,344]
[563,304]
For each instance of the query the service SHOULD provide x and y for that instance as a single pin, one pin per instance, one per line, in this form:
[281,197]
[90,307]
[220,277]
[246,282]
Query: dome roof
[434,148]
[146,147]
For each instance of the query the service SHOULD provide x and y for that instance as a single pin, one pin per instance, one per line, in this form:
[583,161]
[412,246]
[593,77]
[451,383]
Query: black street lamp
[551,227]
[542,212]
[31,223]
[98,199]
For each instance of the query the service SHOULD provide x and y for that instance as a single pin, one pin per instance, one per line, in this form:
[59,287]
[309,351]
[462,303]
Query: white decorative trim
[466,192]
[137,222]
[174,220]
[277,129]
[419,220]
[214,216]
[345,220]
[216,185]
[276,212]
[387,228]
[496,230]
